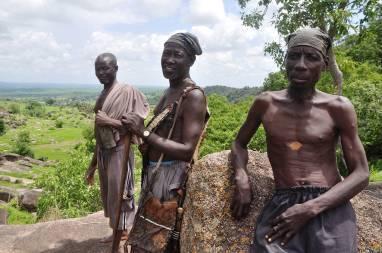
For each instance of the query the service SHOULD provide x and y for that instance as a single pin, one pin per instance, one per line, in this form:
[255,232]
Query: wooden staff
[127,143]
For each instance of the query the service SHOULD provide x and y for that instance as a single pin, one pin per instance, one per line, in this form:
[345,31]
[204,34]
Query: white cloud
[57,41]
[202,12]
[233,54]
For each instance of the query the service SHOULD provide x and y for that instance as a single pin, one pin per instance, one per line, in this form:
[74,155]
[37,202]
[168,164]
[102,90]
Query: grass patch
[375,176]
[30,174]
[13,185]
[16,216]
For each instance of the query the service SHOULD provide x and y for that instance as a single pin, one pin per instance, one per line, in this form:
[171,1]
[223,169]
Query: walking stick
[127,143]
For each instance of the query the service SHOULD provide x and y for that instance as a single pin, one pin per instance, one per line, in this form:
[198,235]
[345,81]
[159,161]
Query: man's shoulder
[337,105]
[195,93]
[335,101]
[269,96]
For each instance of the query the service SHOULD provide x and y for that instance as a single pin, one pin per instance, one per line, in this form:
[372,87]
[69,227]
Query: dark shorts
[332,231]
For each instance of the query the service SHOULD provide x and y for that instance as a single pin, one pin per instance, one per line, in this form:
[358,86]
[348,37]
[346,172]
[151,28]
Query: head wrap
[188,42]
[312,37]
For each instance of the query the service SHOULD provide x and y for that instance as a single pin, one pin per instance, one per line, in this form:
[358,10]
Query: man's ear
[116,67]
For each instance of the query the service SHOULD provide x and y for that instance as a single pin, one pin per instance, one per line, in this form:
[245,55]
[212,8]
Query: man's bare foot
[125,236]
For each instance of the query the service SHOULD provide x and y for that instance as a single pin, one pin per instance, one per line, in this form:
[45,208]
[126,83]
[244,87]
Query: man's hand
[286,225]
[242,198]
[89,176]
[102,119]
[134,123]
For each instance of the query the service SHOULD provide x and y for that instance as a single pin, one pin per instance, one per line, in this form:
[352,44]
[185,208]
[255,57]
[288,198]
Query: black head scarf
[188,42]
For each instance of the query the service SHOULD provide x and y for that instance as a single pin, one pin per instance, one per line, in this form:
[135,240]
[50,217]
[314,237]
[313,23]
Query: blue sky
[57,41]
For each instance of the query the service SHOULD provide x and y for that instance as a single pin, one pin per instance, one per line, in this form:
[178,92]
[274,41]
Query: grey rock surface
[80,235]
[28,199]
[209,227]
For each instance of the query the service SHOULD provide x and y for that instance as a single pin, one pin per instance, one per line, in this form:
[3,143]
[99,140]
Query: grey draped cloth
[332,231]
[111,151]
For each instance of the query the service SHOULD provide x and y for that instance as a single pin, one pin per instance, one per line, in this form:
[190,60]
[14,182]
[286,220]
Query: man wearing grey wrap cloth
[310,210]
[177,58]
[115,100]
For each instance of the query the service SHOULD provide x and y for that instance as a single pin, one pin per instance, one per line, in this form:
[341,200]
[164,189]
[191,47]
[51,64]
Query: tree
[22,145]
[35,109]
[336,17]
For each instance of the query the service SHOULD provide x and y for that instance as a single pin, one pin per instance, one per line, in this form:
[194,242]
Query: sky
[57,41]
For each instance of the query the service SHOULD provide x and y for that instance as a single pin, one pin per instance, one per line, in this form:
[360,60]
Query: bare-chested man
[115,100]
[310,209]
[177,58]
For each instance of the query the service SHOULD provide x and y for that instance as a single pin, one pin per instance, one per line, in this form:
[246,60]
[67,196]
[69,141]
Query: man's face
[175,61]
[303,66]
[106,70]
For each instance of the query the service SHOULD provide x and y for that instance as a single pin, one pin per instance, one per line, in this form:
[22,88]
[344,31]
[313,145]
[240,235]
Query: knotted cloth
[188,42]
[312,37]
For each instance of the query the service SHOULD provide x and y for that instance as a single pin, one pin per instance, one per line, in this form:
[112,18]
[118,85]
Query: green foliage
[366,97]
[275,81]
[35,109]
[232,94]
[14,108]
[376,171]
[335,17]
[59,123]
[16,216]
[88,134]
[2,126]
[365,46]
[224,124]
[65,188]
[50,101]
[22,144]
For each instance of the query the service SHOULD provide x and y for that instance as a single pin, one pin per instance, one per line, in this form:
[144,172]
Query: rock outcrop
[80,235]
[3,216]
[10,162]
[28,199]
[209,227]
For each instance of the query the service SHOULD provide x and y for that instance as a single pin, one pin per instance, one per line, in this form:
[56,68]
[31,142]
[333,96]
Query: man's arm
[290,221]
[89,175]
[239,157]
[355,159]
[103,120]
[193,112]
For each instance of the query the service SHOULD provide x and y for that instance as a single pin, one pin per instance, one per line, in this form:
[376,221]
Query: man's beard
[300,94]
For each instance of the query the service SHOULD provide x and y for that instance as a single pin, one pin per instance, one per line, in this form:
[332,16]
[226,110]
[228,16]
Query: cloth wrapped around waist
[168,179]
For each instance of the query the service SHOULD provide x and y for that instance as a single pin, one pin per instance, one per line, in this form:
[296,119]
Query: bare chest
[310,124]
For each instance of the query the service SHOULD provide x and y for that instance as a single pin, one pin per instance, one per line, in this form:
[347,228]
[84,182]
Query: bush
[14,108]
[2,127]
[224,124]
[59,123]
[88,134]
[22,145]
[35,109]
[65,188]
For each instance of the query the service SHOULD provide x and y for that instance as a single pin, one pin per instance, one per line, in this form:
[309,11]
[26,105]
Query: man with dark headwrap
[310,209]
[171,138]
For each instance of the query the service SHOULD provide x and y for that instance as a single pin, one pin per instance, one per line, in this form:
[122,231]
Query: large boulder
[209,227]
[10,162]
[3,216]
[6,193]
[28,199]
[79,235]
